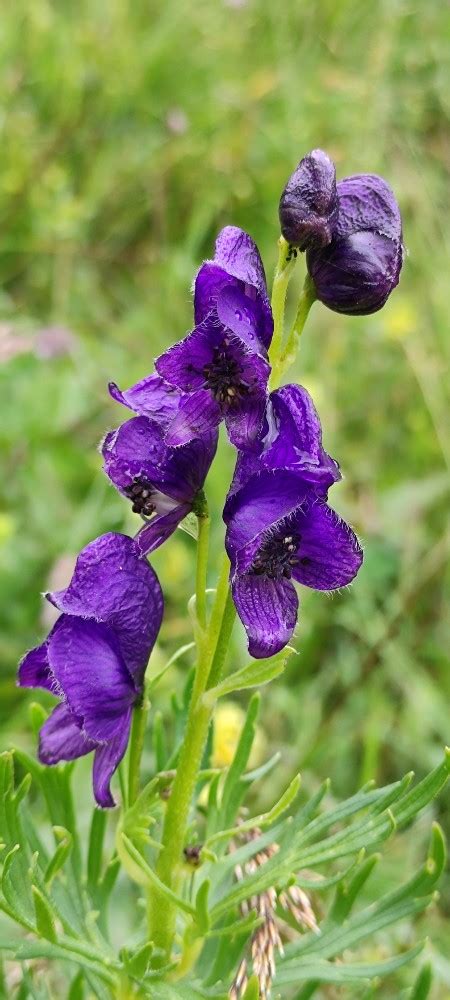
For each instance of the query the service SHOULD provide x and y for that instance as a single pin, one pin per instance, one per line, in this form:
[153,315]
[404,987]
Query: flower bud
[308,206]
[357,271]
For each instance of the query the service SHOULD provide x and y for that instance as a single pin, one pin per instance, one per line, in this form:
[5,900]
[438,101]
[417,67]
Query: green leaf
[233,789]
[252,991]
[67,950]
[179,653]
[137,961]
[347,892]
[330,972]
[95,848]
[423,983]
[150,877]
[76,989]
[264,819]
[14,888]
[424,792]
[254,674]
[45,920]
[61,854]
[201,907]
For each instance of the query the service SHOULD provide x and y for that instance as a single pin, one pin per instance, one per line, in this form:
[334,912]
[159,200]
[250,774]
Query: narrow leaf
[254,674]
[45,920]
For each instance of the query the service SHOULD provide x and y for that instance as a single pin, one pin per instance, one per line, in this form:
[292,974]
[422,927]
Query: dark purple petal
[197,415]
[309,205]
[242,315]
[136,450]
[87,665]
[62,738]
[237,262]
[159,529]
[34,670]
[268,611]
[151,397]
[107,758]
[367,203]
[292,441]
[356,274]
[245,419]
[260,504]
[112,583]
[183,364]
[239,256]
[330,554]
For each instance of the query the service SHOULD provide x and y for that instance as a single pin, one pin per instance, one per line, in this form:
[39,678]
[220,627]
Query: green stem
[287,355]
[138,725]
[283,273]
[203,522]
[162,912]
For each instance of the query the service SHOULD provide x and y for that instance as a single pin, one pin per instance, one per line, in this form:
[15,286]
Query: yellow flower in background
[229,719]
[399,319]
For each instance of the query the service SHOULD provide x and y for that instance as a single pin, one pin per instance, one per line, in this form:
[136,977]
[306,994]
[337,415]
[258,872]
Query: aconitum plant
[227,903]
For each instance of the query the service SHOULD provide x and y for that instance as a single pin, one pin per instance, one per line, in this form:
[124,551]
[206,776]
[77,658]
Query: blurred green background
[130,133]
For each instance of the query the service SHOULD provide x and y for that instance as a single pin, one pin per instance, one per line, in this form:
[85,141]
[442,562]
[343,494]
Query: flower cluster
[279,527]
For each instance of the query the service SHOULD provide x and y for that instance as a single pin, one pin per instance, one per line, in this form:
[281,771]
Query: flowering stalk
[280,531]
[212,653]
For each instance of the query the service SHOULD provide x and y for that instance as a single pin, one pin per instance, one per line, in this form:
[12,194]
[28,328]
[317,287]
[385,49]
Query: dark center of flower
[140,493]
[223,377]
[278,556]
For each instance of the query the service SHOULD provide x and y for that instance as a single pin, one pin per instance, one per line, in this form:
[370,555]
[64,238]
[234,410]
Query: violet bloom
[221,366]
[361,266]
[308,208]
[95,656]
[291,440]
[162,482]
[279,529]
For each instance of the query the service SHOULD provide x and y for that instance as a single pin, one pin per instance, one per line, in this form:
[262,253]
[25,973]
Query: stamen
[278,556]
[140,493]
[223,376]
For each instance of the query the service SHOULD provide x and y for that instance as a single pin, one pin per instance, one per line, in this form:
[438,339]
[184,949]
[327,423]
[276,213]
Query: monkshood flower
[95,656]
[162,483]
[308,207]
[278,530]
[221,367]
[361,266]
[291,440]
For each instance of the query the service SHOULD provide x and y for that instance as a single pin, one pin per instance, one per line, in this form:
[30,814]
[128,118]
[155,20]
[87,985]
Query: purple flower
[309,206]
[161,482]
[221,366]
[361,266]
[292,440]
[279,529]
[237,268]
[95,656]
